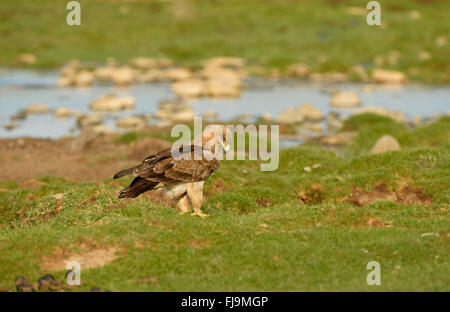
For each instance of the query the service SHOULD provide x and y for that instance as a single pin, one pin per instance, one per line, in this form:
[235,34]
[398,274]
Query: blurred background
[364,128]
[243,61]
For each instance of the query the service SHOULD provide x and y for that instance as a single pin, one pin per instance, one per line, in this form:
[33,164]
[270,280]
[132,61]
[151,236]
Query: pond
[19,88]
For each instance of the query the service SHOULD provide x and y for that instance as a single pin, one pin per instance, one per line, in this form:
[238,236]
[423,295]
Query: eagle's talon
[200,214]
[183,212]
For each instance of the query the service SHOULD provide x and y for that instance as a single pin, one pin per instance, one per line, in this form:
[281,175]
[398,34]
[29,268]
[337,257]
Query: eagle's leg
[195,195]
[183,205]
[178,193]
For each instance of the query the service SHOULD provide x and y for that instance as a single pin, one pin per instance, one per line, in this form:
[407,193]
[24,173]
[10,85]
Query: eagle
[180,171]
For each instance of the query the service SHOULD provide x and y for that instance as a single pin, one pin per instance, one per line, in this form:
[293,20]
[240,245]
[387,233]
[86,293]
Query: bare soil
[407,195]
[75,159]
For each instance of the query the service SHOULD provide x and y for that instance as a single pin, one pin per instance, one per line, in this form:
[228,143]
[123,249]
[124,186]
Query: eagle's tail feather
[137,187]
[124,173]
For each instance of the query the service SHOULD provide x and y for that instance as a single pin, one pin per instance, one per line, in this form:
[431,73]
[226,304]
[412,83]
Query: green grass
[371,126]
[271,33]
[260,236]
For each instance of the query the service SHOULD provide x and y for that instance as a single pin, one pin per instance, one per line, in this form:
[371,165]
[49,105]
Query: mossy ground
[260,235]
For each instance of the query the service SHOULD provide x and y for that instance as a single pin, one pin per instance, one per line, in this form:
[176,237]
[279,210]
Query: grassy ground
[269,33]
[260,236]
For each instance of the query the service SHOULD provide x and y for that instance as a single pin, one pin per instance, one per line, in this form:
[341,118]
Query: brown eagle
[181,171]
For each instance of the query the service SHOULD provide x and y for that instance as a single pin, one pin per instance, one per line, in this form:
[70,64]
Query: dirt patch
[312,195]
[90,258]
[199,243]
[407,195]
[30,158]
[30,184]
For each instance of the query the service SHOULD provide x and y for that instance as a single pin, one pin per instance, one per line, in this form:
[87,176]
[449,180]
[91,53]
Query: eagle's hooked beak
[226,147]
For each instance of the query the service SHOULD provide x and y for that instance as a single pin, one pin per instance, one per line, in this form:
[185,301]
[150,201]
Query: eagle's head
[215,135]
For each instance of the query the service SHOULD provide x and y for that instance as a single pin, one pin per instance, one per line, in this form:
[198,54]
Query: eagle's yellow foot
[200,214]
[184,212]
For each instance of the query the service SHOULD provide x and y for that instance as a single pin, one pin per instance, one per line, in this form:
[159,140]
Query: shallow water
[19,88]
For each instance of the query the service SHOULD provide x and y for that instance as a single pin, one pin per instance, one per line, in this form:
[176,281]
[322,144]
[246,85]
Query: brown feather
[162,169]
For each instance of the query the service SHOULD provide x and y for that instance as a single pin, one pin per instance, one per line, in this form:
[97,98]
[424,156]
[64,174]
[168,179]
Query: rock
[58,196]
[243,118]
[102,129]
[64,82]
[298,71]
[143,63]
[91,119]
[177,74]
[341,138]
[424,55]
[20,115]
[10,125]
[104,73]
[396,115]
[441,41]
[265,117]
[130,123]
[289,116]
[163,123]
[310,112]
[224,62]
[356,11]
[83,79]
[221,88]
[192,88]
[111,62]
[174,111]
[21,143]
[313,127]
[384,144]
[73,74]
[63,112]
[37,108]
[221,73]
[23,285]
[307,169]
[71,68]
[86,137]
[45,282]
[122,76]
[111,102]
[345,99]
[415,14]
[388,76]
[128,102]
[331,77]
[152,75]
[164,62]
[26,59]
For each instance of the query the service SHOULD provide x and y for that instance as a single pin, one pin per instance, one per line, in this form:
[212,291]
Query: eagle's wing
[173,169]
[164,169]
